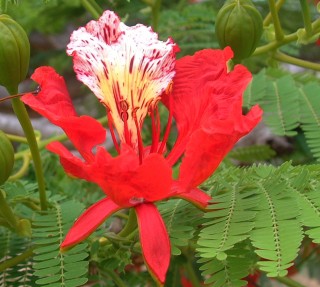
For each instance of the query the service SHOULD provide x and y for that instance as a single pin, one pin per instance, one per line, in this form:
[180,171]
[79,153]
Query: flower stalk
[289,282]
[23,117]
[16,260]
[92,7]
[295,61]
[267,20]
[7,213]
[131,224]
[306,17]
[276,20]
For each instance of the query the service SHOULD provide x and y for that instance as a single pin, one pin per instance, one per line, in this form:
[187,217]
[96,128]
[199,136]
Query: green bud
[6,157]
[14,53]
[239,25]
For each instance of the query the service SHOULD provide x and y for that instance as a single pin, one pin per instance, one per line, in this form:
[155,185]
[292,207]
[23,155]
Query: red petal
[208,146]
[196,196]
[203,89]
[72,164]
[54,103]
[89,221]
[154,239]
[129,183]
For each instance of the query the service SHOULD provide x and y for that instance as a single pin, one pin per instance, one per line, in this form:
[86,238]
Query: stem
[115,277]
[16,260]
[131,224]
[155,14]
[268,18]
[275,44]
[22,171]
[7,213]
[294,61]
[15,138]
[289,282]
[23,117]
[276,20]
[192,275]
[92,7]
[306,17]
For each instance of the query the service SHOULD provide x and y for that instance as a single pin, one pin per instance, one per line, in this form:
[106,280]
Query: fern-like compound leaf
[256,90]
[252,154]
[278,233]
[180,218]
[310,116]
[231,271]
[52,267]
[229,221]
[281,106]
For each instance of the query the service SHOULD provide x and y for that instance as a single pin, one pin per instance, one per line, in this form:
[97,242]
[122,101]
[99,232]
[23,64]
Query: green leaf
[181,218]
[52,267]
[256,90]
[310,116]
[230,219]
[281,106]
[231,271]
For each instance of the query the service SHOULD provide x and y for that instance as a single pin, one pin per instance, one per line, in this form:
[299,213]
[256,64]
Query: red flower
[130,70]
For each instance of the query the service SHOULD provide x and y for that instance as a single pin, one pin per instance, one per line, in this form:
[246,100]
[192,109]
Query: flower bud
[239,25]
[6,157]
[14,53]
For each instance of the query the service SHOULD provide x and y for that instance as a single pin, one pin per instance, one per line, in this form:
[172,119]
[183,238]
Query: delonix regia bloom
[131,71]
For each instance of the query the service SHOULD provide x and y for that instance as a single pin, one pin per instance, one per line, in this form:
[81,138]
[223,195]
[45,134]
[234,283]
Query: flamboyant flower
[130,71]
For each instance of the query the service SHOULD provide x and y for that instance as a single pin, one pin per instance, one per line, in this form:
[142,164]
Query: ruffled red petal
[208,146]
[196,196]
[207,101]
[204,89]
[129,183]
[89,221]
[72,164]
[154,239]
[54,103]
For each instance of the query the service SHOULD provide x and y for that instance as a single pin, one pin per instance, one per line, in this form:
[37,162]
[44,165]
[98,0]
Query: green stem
[155,14]
[275,44]
[276,21]
[268,19]
[192,275]
[23,170]
[15,138]
[306,17]
[294,61]
[115,277]
[16,260]
[288,282]
[23,117]
[131,224]
[7,212]
[92,7]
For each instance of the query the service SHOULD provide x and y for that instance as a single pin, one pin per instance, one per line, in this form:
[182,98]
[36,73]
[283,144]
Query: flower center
[132,125]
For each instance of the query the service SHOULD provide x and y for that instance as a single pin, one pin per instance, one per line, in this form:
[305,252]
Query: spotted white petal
[127,68]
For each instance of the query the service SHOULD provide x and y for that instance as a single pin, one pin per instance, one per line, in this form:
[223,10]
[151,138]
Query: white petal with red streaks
[127,68]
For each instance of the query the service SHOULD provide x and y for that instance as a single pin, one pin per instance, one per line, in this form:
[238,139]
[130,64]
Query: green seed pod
[239,25]
[14,53]
[6,157]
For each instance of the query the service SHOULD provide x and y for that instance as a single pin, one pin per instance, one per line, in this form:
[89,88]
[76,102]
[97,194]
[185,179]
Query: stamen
[155,119]
[124,117]
[113,136]
[140,143]
[168,127]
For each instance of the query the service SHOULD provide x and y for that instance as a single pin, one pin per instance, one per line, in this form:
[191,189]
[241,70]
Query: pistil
[168,127]
[113,136]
